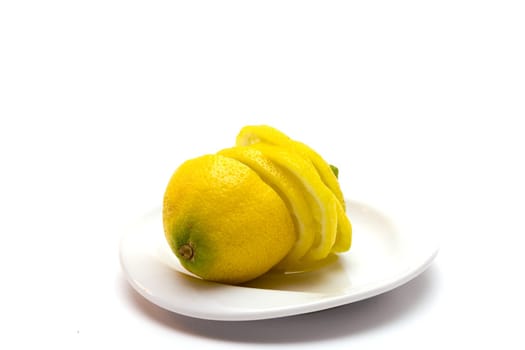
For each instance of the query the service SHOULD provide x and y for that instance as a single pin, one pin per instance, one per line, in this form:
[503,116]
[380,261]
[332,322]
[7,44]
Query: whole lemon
[223,222]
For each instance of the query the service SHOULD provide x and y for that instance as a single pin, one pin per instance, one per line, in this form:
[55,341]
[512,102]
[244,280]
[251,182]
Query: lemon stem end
[186,251]
[335,170]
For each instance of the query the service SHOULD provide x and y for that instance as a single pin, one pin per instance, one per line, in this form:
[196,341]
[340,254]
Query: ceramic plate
[385,254]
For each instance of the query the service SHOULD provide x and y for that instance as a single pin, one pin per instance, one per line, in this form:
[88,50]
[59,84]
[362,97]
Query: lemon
[268,202]
[223,222]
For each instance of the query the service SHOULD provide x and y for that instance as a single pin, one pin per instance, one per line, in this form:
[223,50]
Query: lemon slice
[304,171]
[343,240]
[252,134]
[292,193]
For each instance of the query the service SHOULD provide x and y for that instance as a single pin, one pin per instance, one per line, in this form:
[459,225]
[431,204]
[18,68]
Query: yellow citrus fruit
[269,202]
[223,222]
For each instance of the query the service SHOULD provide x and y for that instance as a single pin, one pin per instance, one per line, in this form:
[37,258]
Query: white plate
[384,255]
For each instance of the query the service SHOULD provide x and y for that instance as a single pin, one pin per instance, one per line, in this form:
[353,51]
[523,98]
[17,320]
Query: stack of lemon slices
[200,209]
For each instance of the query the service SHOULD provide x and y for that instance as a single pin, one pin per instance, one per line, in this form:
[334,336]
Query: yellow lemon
[269,202]
[223,222]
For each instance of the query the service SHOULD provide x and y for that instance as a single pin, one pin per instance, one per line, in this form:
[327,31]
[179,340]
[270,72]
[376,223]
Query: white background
[418,103]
